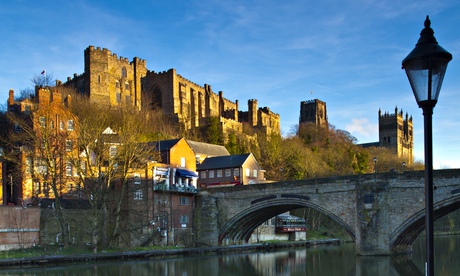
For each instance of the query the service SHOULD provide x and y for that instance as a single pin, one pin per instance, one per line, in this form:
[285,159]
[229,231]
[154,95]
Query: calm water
[322,260]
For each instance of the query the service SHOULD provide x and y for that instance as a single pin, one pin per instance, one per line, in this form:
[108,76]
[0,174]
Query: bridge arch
[402,238]
[239,228]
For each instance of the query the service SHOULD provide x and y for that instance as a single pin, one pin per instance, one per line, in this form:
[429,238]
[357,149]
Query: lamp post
[425,67]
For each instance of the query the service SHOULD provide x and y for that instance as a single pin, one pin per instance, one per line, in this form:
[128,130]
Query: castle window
[126,86]
[42,121]
[99,78]
[117,84]
[123,72]
[118,97]
[128,99]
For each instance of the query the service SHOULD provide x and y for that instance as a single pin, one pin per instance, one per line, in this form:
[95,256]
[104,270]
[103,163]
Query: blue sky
[347,53]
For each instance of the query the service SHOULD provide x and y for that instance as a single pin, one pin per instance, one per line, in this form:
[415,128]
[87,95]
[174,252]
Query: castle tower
[110,80]
[252,112]
[313,111]
[396,132]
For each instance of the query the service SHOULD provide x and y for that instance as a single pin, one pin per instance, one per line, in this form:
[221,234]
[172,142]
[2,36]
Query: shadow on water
[320,260]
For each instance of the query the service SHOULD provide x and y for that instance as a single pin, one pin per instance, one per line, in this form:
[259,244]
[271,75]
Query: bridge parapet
[383,213]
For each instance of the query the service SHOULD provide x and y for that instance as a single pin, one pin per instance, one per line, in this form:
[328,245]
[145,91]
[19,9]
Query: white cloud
[362,129]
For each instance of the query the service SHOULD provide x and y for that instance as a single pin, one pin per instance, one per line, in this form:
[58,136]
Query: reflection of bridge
[383,213]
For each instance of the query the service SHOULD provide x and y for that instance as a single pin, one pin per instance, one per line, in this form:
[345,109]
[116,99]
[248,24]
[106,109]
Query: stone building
[313,111]
[395,130]
[47,115]
[116,81]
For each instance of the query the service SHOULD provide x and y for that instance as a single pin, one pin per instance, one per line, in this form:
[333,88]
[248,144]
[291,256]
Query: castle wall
[114,81]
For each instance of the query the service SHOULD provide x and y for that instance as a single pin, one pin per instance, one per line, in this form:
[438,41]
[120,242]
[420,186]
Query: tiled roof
[207,149]
[230,161]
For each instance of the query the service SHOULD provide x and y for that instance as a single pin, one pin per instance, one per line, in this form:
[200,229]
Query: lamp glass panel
[417,71]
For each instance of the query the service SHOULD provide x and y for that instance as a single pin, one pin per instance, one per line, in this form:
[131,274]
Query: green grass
[71,250]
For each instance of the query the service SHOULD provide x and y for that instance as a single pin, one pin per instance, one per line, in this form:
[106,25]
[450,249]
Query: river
[320,260]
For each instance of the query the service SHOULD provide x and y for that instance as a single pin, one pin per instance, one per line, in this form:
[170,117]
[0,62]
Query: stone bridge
[383,212]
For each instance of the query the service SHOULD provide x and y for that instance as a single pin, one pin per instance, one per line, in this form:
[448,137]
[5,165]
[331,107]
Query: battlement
[399,114]
[189,81]
[268,111]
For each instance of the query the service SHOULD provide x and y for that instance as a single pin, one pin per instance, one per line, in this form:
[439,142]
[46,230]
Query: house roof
[230,161]
[207,149]
[164,145]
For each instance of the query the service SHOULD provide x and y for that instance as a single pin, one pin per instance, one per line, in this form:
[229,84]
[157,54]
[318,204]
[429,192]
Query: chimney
[11,98]
[43,96]
[57,97]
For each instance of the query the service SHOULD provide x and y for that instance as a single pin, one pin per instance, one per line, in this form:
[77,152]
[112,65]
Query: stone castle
[116,81]
[395,130]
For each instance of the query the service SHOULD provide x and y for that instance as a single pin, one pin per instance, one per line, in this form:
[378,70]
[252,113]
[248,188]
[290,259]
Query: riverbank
[158,253]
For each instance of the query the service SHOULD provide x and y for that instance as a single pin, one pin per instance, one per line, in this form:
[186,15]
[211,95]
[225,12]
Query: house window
[236,172]
[227,172]
[183,201]
[211,174]
[183,219]
[248,172]
[40,166]
[203,174]
[70,125]
[36,187]
[83,166]
[182,162]
[137,178]
[254,173]
[113,151]
[42,121]
[70,188]
[197,158]
[68,145]
[68,168]
[219,173]
[27,109]
[28,165]
[17,128]
[138,195]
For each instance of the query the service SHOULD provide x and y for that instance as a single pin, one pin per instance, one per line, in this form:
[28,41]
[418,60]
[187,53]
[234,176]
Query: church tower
[396,132]
[313,111]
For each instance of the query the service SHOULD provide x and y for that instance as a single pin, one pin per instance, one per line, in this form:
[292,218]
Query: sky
[346,53]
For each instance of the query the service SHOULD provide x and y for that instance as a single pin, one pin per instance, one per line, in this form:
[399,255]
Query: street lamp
[425,67]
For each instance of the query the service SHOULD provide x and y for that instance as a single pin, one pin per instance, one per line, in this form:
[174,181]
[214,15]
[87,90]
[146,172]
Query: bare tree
[38,147]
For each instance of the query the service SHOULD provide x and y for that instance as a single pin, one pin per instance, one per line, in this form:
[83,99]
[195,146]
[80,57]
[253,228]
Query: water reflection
[322,260]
